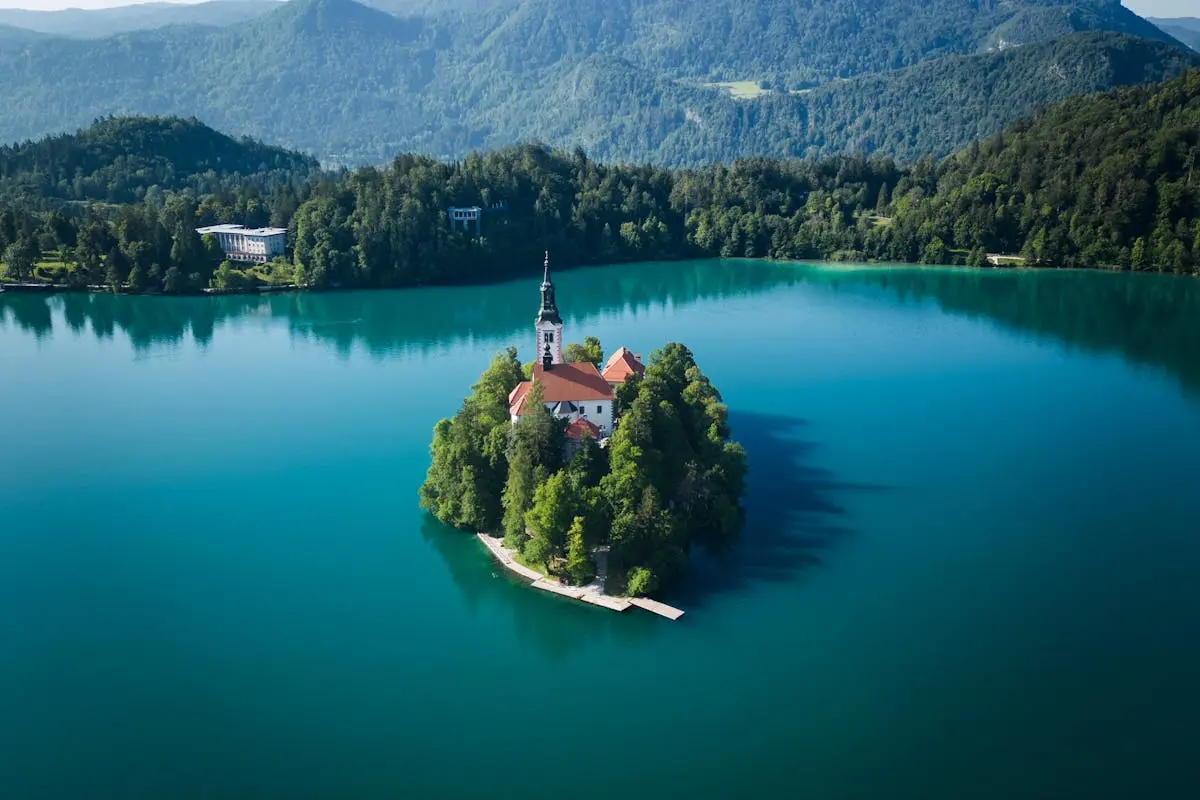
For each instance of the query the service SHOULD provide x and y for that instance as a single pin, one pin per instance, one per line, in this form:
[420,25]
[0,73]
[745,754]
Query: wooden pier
[655,607]
[593,593]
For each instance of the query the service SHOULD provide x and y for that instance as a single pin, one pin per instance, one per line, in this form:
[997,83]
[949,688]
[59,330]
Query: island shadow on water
[793,516]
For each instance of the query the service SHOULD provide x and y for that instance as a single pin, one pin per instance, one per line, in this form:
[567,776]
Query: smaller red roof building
[516,398]
[581,428]
[620,365]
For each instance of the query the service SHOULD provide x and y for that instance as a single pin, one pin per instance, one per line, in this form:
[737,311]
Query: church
[578,391]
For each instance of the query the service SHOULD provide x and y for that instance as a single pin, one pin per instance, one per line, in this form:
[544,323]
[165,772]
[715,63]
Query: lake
[969,566]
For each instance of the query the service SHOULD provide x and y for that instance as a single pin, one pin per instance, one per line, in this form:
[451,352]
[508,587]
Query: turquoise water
[969,568]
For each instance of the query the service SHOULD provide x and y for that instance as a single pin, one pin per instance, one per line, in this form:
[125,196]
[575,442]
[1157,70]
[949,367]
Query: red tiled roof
[576,381]
[581,427]
[516,398]
[621,365]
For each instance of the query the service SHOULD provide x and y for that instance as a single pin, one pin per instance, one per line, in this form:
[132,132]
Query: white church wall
[600,414]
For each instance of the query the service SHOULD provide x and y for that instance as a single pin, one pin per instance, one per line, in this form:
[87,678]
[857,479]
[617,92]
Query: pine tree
[1137,260]
[579,565]
[116,268]
[518,495]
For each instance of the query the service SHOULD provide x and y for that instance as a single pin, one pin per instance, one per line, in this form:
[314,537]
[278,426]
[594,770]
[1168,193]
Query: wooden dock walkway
[655,607]
[593,593]
[496,546]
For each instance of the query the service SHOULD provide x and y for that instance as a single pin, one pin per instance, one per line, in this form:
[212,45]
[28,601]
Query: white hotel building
[240,243]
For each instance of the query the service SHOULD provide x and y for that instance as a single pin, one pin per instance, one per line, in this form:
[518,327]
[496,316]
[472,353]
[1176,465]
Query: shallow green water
[969,568]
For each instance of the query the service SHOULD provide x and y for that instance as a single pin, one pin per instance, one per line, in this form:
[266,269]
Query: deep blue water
[969,568]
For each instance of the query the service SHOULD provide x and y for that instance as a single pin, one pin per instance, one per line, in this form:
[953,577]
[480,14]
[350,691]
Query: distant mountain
[1185,29]
[97,23]
[934,108]
[117,159]
[627,79]
[788,42]
[10,34]
[1187,23]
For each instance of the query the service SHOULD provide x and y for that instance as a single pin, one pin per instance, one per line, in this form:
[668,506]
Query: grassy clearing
[740,90]
[49,269]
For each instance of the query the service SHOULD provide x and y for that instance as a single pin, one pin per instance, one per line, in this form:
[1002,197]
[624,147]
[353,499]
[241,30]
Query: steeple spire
[548,324]
[549,310]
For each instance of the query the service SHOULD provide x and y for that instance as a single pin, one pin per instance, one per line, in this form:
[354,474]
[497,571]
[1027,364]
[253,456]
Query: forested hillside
[117,160]
[934,108]
[1105,180]
[627,79]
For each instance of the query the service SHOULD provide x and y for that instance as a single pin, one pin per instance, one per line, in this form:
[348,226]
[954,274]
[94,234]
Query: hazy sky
[1151,8]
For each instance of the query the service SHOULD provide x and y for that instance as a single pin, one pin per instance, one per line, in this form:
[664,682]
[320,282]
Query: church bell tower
[548,324]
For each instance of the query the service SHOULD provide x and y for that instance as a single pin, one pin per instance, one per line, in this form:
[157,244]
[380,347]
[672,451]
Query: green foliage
[556,502]
[468,466]
[579,569]
[641,581]
[668,478]
[19,258]
[354,84]
[1106,180]
[590,350]
[173,280]
[117,159]
[533,451]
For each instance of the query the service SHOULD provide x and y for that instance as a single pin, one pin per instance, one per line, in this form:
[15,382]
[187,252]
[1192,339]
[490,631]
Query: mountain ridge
[96,23]
[356,84]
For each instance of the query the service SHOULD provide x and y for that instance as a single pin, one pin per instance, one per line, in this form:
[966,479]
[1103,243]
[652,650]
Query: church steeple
[549,311]
[548,324]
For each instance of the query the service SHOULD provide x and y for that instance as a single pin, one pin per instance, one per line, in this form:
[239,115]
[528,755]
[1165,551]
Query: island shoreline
[586,594]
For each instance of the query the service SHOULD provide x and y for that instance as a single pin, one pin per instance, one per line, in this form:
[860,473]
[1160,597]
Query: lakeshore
[995,262]
[593,593]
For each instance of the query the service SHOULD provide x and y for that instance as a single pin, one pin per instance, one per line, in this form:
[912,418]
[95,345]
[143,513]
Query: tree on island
[668,478]
[468,452]
[579,567]
[590,350]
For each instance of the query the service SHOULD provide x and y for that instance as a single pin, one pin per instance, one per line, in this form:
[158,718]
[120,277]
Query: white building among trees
[239,243]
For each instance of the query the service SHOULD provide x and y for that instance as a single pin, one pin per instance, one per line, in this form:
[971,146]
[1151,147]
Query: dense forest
[626,81]
[1100,181]
[117,160]
[118,203]
[669,478]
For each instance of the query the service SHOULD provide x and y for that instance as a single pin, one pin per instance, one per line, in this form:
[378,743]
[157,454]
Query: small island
[594,473]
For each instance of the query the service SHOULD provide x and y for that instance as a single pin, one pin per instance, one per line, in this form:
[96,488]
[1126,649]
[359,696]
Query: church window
[599,409]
